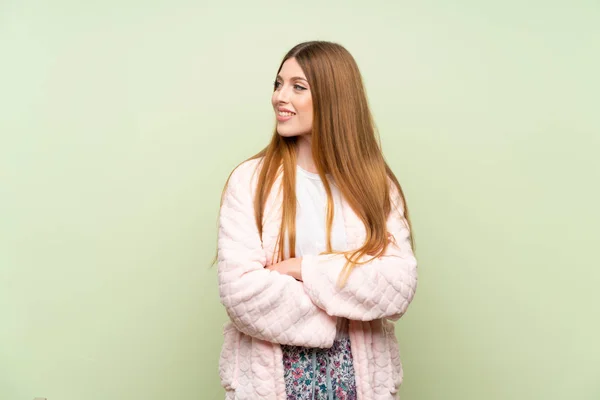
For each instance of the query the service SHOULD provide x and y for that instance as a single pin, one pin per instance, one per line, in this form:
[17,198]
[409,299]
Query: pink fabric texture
[268,309]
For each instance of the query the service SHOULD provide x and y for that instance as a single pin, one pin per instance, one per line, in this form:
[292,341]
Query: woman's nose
[283,95]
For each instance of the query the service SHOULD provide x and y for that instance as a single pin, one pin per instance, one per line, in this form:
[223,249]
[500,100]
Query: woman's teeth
[285,114]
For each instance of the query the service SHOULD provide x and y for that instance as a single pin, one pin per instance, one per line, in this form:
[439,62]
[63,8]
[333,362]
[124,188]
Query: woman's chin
[286,133]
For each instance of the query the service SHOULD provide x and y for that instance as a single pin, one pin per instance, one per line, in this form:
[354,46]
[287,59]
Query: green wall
[120,121]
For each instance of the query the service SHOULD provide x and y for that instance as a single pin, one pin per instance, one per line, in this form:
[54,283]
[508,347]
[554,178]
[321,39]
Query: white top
[311,214]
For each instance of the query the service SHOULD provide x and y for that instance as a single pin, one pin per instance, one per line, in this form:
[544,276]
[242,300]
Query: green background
[121,120]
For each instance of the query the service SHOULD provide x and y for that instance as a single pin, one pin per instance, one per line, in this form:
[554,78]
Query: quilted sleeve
[261,303]
[381,288]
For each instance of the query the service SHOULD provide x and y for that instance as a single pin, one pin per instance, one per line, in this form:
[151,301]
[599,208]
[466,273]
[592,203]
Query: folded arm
[381,288]
[261,303]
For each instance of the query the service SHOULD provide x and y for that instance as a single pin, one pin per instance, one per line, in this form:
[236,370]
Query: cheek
[308,111]
[307,108]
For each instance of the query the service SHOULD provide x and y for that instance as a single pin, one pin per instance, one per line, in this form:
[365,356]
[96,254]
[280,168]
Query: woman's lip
[281,118]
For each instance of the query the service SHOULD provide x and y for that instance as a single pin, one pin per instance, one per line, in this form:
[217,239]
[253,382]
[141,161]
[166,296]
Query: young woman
[314,247]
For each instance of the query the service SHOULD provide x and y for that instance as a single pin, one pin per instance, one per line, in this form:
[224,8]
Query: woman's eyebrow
[294,78]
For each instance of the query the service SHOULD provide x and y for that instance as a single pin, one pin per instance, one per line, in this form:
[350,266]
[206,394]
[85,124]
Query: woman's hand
[291,267]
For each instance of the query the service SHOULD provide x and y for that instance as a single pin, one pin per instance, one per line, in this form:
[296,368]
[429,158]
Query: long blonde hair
[344,145]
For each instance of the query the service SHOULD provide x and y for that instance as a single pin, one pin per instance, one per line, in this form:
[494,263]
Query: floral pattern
[331,375]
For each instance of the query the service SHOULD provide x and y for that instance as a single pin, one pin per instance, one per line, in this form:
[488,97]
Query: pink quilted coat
[267,308]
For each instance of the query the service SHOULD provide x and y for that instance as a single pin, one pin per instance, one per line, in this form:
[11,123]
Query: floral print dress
[319,374]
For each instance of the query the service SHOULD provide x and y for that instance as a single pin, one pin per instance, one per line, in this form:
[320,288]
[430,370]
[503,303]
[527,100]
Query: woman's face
[292,101]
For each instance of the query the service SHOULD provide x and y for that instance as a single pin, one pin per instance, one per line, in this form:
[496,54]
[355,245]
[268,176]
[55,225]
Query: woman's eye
[277,84]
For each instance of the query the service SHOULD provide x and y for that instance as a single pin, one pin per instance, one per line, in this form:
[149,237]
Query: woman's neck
[305,158]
